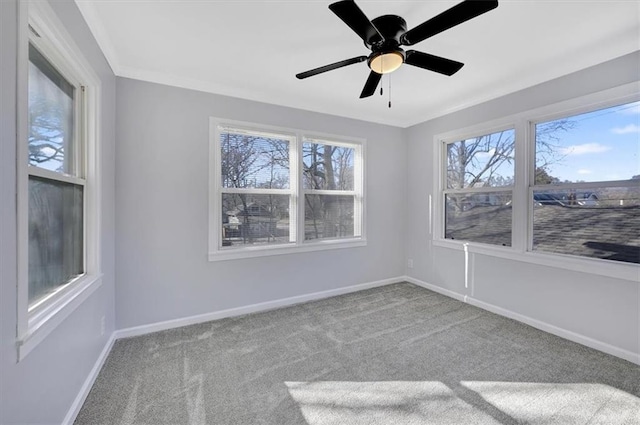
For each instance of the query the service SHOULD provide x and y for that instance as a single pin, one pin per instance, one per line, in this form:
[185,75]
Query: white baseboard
[253,308]
[434,288]
[555,330]
[88,383]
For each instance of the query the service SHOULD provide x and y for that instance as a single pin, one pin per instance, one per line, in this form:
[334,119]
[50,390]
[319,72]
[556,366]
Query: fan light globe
[386,62]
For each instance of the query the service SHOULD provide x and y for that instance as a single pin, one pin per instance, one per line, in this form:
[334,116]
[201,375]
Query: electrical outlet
[102,326]
[410,263]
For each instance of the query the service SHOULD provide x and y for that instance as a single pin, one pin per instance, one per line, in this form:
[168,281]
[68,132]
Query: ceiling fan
[385,34]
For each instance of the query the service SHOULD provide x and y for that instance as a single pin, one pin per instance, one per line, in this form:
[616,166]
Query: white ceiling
[253,49]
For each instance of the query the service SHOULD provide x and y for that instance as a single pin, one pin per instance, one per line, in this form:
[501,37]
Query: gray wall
[594,306]
[41,388]
[162,209]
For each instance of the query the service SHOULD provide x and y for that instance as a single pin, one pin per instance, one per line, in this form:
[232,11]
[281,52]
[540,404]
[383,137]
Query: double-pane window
[586,191]
[56,179]
[284,189]
[330,200]
[578,193]
[479,178]
[255,181]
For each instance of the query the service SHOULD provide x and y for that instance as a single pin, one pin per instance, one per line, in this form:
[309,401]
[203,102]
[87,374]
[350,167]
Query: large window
[586,191]
[564,185]
[58,182]
[279,190]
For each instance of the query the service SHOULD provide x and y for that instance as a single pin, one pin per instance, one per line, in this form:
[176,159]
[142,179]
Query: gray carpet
[398,354]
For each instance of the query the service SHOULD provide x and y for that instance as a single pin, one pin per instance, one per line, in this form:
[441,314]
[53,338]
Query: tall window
[278,190]
[256,188]
[479,180]
[59,179]
[586,189]
[330,194]
[56,178]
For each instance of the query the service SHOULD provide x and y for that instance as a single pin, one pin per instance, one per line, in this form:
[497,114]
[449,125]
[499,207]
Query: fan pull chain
[381,82]
[389,91]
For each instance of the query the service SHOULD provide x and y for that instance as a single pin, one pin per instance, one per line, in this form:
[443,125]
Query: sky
[599,146]
[604,145]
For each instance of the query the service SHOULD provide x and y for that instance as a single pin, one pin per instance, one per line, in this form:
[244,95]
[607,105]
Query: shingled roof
[606,232]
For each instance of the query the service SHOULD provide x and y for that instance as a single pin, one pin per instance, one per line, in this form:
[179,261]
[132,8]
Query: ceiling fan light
[386,62]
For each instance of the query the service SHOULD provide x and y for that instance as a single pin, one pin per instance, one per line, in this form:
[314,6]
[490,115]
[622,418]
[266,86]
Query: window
[586,191]
[558,188]
[58,185]
[479,184]
[330,196]
[278,190]
[56,179]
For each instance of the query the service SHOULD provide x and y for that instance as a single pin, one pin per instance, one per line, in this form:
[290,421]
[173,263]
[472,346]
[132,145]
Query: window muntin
[596,146]
[595,222]
[279,190]
[56,248]
[478,175]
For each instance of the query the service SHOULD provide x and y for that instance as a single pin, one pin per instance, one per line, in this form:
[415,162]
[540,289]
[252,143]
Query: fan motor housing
[391,27]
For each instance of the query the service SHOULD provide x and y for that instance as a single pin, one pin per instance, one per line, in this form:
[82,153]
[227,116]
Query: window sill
[608,268]
[264,251]
[47,318]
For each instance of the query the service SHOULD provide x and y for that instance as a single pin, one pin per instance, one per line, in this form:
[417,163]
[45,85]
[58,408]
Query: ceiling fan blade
[350,13]
[458,14]
[432,63]
[330,67]
[371,84]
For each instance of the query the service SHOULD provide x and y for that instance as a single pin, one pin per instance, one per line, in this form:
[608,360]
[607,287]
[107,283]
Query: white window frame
[296,192]
[40,25]
[522,199]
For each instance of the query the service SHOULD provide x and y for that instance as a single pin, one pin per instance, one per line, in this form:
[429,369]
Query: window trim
[296,191]
[522,224]
[36,323]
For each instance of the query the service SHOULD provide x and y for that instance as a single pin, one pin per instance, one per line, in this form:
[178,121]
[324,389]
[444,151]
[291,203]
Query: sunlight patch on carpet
[480,403]
[385,402]
[544,403]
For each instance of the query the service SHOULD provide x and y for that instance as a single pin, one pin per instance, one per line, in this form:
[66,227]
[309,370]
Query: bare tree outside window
[329,168]
[51,116]
[254,162]
[280,187]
